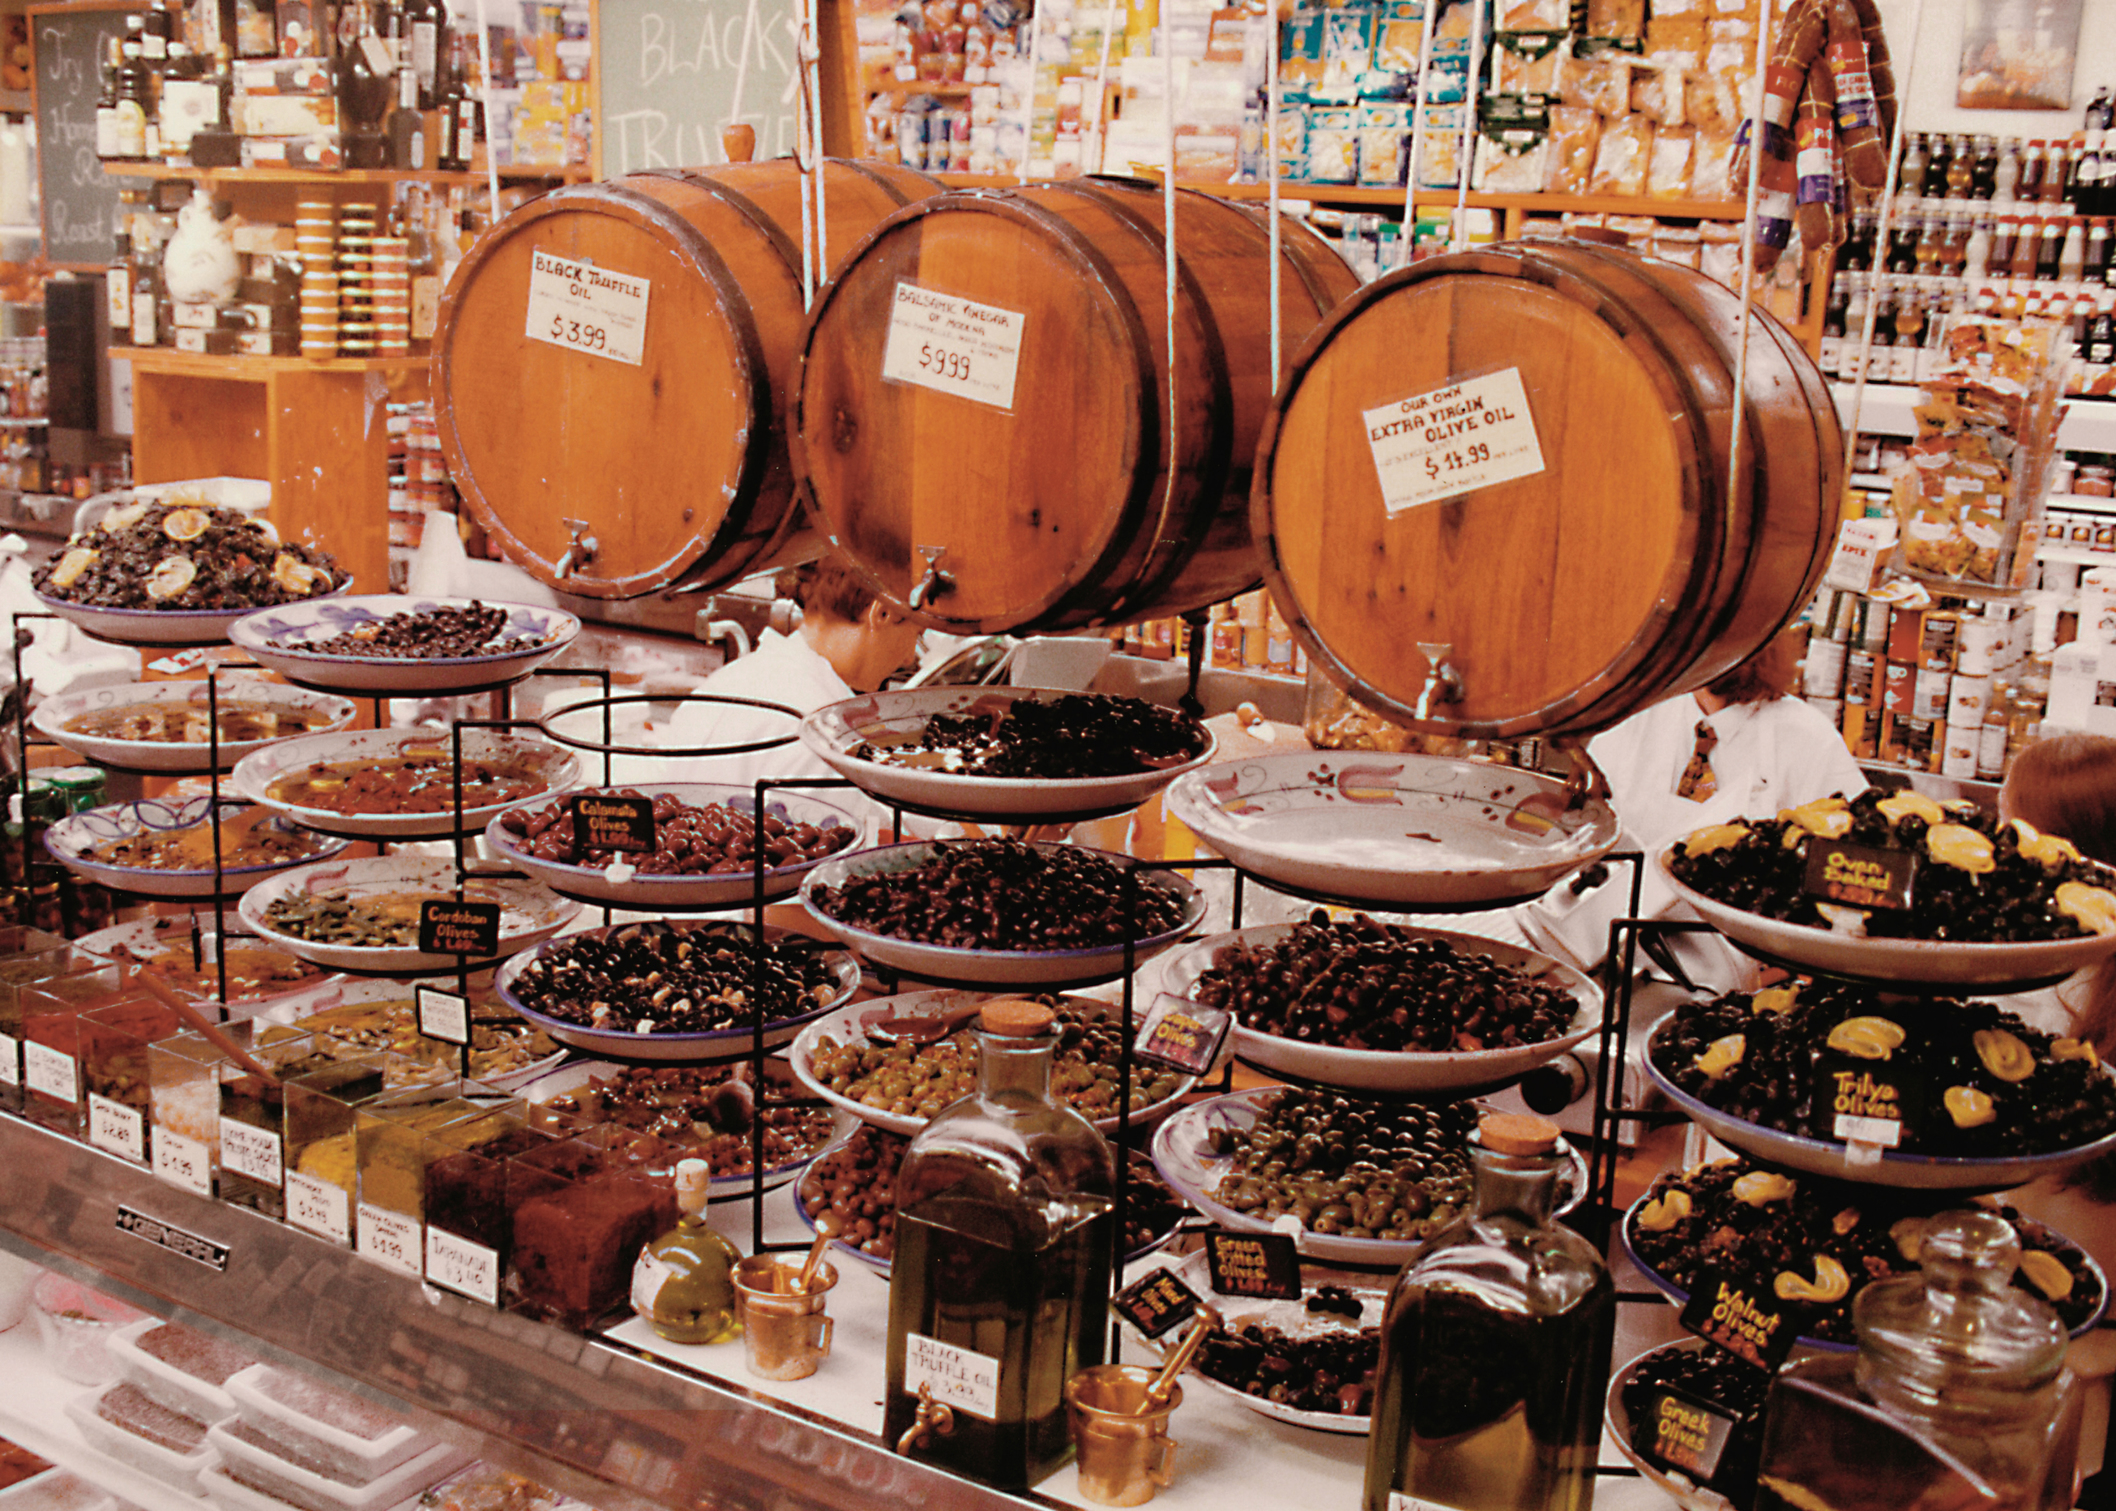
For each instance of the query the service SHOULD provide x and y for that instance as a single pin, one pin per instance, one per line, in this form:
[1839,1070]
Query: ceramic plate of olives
[164,847]
[399,784]
[703,860]
[394,643]
[1330,1159]
[1701,1371]
[999,912]
[591,990]
[1343,1003]
[1393,831]
[898,1087]
[506,1053]
[163,726]
[1817,1243]
[2013,1118]
[1021,753]
[363,915]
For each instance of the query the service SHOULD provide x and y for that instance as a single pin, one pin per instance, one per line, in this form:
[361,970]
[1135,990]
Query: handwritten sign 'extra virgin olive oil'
[587,309]
[1860,876]
[602,822]
[448,927]
[1741,1318]
[953,346]
[1453,440]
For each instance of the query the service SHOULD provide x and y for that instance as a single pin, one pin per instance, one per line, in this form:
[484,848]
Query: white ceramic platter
[189,699]
[149,939]
[1393,1070]
[552,767]
[898,717]
[73,842]
[998,968]
[275,637]
[1392,831]
[1182,1153]
[528,913]
[167,627]
[847,1024]
[1291,1318]
[689,1048]
[297,1009]
[645,892]
[1816,1156]
[1896,962]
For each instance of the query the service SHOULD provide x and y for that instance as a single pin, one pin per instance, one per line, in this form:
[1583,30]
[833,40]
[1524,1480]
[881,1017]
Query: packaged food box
[183,1370]
[57,1490]
[324,1430]
[142,1434]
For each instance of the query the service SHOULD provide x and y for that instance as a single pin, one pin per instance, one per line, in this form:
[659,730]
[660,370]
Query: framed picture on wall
[2017,54]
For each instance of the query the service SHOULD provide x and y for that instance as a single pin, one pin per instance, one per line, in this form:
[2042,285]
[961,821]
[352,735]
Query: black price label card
[1746,1321]
[602,822]
[1263,1265]
[443,1015]
[1677,1431]
[448,927]
[1156,1302]
[1860,876]
[1861,1101]
[1185,1036]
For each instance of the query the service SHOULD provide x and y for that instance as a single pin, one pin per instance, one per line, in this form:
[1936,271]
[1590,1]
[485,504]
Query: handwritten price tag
[317,1206]
[469,1269]
[183,1162]
[117,1128]
[954,346]
[10,1060]
[443,1015]
[584,308]
[48,1072]
[1453,440]
[390,1239]
[957,1377]
[250,1152]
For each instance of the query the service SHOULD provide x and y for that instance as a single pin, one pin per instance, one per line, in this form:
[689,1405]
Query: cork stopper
[1015,1018]
[1517,1133]
[693,1181]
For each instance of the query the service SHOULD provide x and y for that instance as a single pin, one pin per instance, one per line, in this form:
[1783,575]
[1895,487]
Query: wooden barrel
[666,448]
[986,386]
[1512,466]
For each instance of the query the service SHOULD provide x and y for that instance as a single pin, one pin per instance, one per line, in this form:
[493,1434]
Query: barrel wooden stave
[677,464]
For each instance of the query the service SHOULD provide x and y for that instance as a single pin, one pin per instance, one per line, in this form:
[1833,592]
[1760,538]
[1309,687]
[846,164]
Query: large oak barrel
[672,465]
[986,387]
[1493,498]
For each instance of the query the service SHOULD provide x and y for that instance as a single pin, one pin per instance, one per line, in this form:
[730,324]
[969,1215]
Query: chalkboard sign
[80,199]
[673,72]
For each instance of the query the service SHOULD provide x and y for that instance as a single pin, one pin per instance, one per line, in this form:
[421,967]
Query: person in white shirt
[848,642]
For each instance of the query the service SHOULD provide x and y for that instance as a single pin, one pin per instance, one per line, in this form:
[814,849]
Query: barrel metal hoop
[883,181]
[742,205]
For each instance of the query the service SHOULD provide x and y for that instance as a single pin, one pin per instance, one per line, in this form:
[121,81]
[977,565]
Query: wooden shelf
[165,359]
[293,175]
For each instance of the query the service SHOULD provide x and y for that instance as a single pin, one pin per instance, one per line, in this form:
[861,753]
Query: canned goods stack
[358,334]
[316,239]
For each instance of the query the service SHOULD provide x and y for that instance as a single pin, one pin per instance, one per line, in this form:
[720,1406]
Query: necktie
[1698,783]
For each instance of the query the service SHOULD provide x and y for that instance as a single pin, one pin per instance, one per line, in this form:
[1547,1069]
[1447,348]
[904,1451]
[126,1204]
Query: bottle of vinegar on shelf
[1495,1347]
[1005,1232]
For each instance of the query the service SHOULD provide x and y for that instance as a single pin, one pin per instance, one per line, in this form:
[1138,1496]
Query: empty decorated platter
[968,966]
[166,726]
[829,976]
[1156,1092]
[399,784]
[1894,962]
[1382,1070]
[164,848]
[344,903]
[625,883]
[1393,831]
[875,740]
[1184,1151]
[291,641]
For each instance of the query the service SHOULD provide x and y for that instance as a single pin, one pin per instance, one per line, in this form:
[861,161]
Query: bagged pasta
[1512,143]
[1575,132]
[1623,20]
[1622,157]
[1657,93]
[1711,156]
[1676,244]
[1534,15]
[1439,155]
[1333,145]
[1601,83]
[1527,63]
[1677,42]
[1454,22]
[1384,144]
[1668,169]
[1396,40]
[1712,98]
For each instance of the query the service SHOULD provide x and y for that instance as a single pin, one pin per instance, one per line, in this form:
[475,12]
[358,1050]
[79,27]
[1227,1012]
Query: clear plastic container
[177,1468]
[291,1485]
[183,1370]
[322,1429]
[75,1324]
[57,1490]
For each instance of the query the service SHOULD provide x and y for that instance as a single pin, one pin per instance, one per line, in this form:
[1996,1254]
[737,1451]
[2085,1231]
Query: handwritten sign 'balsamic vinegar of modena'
[1453,440]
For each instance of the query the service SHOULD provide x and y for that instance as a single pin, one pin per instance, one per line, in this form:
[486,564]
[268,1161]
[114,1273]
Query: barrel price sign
[588,309]
[1452,440]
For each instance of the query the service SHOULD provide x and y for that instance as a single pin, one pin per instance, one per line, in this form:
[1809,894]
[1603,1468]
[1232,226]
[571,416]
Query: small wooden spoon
[190,1012]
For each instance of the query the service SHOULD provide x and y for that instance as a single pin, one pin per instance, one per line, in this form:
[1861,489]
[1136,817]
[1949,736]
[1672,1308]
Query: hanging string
[749,40]
[1410,176]
[1109,26]
[1747,285]
[1278,354]
[1881,229]
[1028,89]
[492,162]
[810,56]
[1458,233]
[1168,235]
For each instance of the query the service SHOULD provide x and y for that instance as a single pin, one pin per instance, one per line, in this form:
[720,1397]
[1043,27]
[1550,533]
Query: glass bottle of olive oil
[1495,1347]
[683,1282]
[1004,1239]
